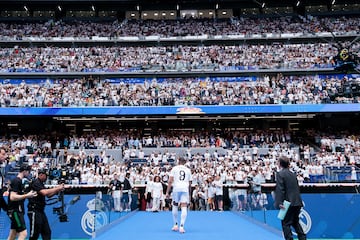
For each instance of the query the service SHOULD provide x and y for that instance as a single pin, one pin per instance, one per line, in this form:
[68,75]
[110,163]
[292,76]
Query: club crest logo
[94,218]
[305,220]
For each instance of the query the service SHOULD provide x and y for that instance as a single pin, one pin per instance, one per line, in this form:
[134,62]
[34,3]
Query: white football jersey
[182,177]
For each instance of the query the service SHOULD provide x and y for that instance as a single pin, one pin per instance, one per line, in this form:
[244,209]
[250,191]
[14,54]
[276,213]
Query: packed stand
[168,58]
[182,27]
[181,92]
[242,162]
[241,148]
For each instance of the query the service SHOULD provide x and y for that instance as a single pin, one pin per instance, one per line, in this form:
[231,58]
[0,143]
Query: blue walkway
[199,226]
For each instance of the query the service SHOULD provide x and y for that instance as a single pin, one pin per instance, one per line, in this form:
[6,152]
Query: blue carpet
[199,226]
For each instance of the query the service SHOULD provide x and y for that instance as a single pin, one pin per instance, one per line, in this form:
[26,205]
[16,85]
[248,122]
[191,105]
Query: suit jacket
[287,188]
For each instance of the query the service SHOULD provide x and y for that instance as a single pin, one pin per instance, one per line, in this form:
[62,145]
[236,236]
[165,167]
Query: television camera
[64,174]
[62,209]
[346,61]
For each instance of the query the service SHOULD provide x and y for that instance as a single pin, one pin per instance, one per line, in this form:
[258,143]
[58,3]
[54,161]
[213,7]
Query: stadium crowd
[242,150]
[181,91]
[120,139]
[168,58]
[176,57]
[242,162]
[181,27]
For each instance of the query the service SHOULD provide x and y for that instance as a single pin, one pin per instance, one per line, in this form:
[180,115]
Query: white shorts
[180,197]
[116,194]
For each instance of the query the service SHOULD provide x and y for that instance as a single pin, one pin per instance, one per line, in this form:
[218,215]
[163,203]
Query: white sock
[175,214]
[183,215]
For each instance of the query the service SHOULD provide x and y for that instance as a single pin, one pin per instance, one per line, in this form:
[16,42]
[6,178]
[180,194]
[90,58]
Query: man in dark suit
[3,158]
[287,188]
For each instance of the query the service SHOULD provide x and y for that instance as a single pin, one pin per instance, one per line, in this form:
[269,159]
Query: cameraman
[36,208]
[16,200]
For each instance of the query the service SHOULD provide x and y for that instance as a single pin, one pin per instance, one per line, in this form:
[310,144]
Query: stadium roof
[167,4]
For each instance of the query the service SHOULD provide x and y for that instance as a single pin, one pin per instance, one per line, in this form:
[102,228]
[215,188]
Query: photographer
[16,200]
[36,208]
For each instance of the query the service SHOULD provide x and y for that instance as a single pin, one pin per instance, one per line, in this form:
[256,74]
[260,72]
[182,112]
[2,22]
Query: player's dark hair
[181,160]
